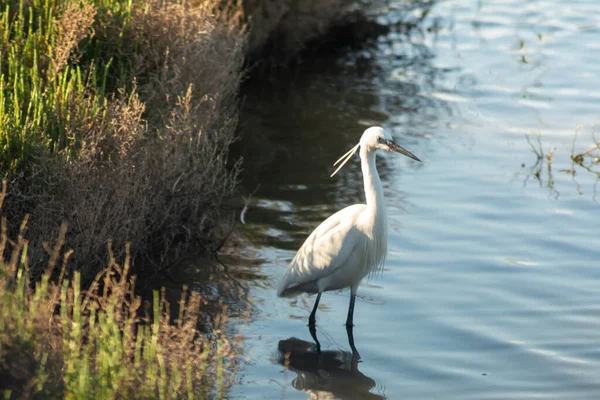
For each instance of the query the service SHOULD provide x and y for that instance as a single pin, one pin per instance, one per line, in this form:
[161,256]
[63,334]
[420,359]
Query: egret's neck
[373,188]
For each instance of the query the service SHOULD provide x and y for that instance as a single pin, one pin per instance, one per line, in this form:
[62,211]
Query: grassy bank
[60,341]
[115,121]
[116,117]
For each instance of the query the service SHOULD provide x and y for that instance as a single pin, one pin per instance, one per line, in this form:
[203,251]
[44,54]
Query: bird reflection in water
[330,374]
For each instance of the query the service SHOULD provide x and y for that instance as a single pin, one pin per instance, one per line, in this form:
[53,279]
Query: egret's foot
[354,361]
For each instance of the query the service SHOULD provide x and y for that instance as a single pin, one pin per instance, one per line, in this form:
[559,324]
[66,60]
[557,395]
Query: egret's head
[374,138]
[377,138]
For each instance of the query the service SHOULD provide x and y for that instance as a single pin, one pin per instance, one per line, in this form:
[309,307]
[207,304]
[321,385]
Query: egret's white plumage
[351,243]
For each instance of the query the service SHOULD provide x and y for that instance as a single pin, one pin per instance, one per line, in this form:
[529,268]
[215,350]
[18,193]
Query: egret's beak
[393,146]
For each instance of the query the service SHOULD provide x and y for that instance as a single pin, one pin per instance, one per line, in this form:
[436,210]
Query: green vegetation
[116,116]
[47,53]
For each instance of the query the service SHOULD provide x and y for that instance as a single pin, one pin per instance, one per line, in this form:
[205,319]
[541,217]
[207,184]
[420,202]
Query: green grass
[53,57]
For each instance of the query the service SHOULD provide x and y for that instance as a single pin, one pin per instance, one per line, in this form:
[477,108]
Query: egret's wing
[325,250]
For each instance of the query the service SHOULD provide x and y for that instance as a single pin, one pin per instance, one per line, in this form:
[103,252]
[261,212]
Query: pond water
[491,289]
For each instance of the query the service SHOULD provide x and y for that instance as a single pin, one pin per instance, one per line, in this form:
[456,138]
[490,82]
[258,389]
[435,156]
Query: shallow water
[492,283]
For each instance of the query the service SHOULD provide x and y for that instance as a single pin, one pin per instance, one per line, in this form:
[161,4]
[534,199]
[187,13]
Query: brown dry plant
[74,24]
[60,341]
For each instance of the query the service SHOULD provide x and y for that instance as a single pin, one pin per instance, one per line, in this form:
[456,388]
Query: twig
[247,203]
[594,147]
[540,153]
[235,281]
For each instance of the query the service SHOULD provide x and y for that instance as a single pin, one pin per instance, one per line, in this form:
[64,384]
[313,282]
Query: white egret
[352,242]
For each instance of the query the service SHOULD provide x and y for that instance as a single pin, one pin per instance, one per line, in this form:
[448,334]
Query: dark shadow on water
[294,125]
[331,374]
[221,282]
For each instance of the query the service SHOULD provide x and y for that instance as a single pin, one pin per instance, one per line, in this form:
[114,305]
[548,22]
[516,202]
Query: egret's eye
[380,139]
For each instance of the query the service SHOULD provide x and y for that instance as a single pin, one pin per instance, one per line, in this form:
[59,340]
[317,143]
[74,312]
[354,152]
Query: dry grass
[59,341]
[72,27]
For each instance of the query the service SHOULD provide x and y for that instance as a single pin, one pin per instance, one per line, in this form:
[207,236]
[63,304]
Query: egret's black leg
[351,310]
[355,355]
[313,333]
[311,319]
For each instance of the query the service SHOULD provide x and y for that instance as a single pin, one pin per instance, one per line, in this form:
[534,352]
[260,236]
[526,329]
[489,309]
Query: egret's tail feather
[290,292]
[290,289]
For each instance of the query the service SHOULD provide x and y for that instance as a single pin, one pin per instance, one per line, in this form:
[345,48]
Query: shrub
[116,116]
